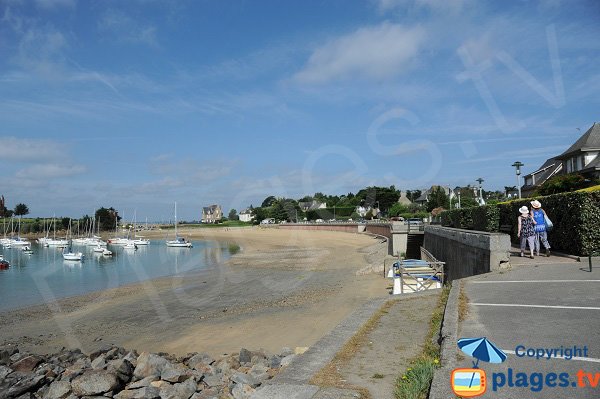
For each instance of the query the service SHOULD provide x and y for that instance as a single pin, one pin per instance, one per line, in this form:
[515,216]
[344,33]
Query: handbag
[548,222]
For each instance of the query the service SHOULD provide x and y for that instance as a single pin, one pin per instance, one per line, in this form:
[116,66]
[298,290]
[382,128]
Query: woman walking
[526,230]
[539,215]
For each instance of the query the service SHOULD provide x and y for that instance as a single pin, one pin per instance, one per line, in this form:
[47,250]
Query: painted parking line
[535,281]
[583,359]
[536,306]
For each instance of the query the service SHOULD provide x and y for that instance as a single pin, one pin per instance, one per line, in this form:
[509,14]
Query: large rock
[174,372]
[241,378]
[122,367]
[27,384]
[245,356]
[4,371]
[149,364]
[58,390]
[199,358]
[27,363]
[178,391]
[242,391]
[141,393]
[95,382]
[143,382]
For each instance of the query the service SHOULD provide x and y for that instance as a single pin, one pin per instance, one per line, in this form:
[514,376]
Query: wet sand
[284,288]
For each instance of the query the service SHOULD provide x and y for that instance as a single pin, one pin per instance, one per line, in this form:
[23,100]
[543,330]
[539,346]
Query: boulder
[95,382]
[214,381]
[178,391]
[174,372]
[122,367]
[274,361]
[4,371]
[245,356]
[242,391]
[246,379]
[99,362]
[27,363]
[199,358]
[143,383]
[141,393]
[149,364]
[287,360]
[58,390]
[28,384]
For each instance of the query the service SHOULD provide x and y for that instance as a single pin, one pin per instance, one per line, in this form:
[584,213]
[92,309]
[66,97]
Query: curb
[440,386]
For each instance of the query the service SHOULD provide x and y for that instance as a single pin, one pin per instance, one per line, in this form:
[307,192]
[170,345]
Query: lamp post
[518,165]
[458,193]
[480,180]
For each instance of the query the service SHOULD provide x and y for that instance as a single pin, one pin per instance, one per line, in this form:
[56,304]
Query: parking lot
[550,304]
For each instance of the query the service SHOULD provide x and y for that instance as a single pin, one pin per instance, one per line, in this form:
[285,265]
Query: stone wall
[467,252]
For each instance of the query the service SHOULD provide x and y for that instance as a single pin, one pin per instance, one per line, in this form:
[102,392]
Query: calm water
[44,276]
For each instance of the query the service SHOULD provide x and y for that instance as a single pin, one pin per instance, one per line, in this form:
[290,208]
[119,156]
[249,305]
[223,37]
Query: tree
[233,215]
[268,201]
[384,197]
[436,199]
[260,214]
[397,209]
[21,210]
[107,218]
[412,195]
[565,183]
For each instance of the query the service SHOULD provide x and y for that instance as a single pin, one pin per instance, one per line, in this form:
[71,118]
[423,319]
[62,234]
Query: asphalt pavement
[542,305]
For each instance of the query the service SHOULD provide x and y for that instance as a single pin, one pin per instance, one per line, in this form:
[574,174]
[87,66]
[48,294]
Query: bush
[575,215]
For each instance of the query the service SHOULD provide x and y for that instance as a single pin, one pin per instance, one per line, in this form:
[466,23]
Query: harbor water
[44,276]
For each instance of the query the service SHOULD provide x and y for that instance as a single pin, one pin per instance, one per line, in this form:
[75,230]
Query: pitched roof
[544,172]
[590,140]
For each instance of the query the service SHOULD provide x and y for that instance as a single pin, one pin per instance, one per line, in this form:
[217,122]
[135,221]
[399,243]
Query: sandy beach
[284,288]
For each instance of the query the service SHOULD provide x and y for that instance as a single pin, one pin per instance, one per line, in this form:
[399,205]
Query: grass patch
[415,383]
[329,375]
[463,304]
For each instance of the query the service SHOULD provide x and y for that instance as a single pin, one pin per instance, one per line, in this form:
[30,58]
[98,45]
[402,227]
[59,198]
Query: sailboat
[178,242]
[69,254]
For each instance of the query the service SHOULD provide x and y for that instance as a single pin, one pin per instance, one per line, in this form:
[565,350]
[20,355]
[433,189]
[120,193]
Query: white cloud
[127,29]
[49,171]
[16,149]
[377,52]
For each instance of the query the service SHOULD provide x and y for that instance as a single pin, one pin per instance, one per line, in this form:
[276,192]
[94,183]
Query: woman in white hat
[539,215]
[526,230]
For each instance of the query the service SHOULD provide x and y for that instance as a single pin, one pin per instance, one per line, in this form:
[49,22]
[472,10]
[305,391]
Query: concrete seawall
[467,252]
[380,229]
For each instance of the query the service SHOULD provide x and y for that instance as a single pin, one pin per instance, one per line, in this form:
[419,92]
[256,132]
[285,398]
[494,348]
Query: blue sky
[137,104]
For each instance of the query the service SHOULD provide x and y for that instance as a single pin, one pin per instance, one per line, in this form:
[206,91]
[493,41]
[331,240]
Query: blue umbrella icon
[481,349]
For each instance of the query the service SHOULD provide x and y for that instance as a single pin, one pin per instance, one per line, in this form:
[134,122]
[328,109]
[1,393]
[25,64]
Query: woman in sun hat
[539,215]
[526,230]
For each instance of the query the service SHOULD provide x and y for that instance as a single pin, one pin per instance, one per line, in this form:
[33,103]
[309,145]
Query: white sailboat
[69,254]
[178,242]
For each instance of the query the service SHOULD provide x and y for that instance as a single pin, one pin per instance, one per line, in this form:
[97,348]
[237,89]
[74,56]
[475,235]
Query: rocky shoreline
[113,372]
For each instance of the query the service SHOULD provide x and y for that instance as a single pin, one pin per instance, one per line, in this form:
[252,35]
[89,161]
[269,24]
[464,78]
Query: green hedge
[575,215]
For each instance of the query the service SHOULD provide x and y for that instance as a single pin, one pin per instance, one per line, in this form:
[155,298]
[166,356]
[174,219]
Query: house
[581,157]
[311,205]
[549,169]
[246,215]
[212,214]
[404,199]
[422,200]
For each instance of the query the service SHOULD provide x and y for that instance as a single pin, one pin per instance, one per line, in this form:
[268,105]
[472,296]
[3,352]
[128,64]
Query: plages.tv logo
[471,382]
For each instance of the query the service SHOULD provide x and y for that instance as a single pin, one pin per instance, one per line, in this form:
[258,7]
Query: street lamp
[518,165]
[480,180]
[458,193]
